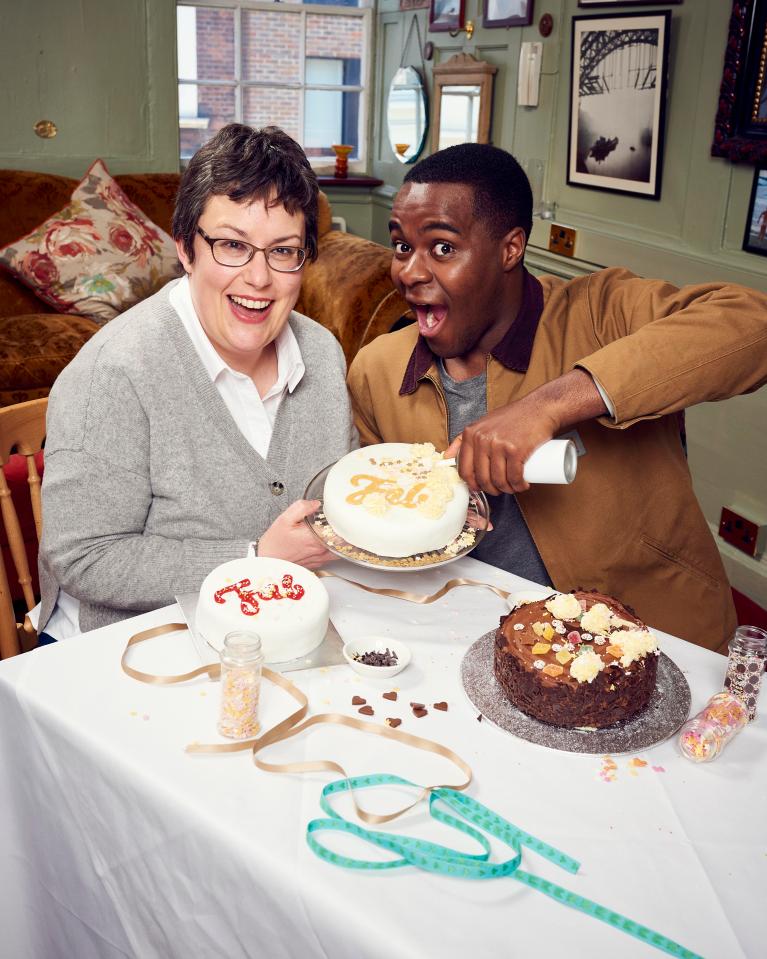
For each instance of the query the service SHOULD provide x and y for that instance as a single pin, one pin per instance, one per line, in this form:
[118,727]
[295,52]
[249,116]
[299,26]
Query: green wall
[693,234]
[103,70]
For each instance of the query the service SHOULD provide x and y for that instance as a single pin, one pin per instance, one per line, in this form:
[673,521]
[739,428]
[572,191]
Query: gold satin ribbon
[416,597]
[296,722]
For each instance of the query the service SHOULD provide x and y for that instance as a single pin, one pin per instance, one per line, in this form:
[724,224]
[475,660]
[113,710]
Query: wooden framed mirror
[463,101]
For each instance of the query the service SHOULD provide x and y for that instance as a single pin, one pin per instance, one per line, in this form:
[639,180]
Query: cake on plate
[395,499]
[285,604]
[578,659]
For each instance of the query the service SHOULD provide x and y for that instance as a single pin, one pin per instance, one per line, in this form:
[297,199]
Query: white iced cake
[395,499]
[285,604]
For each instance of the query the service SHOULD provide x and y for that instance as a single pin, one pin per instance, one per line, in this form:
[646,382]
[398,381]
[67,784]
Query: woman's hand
[290,538]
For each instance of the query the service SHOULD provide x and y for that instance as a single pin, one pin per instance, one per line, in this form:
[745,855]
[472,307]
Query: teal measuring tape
[469,817]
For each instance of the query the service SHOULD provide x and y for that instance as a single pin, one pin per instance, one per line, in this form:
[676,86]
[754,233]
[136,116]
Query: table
[118,843]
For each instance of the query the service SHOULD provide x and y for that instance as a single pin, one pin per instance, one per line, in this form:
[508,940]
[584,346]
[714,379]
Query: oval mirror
[406,113]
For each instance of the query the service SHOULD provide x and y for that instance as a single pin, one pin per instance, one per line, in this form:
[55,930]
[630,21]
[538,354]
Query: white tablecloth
[115,842]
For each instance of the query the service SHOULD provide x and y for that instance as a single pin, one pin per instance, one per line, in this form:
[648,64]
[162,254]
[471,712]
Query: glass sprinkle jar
[241,663]
[703,737]
[745,665]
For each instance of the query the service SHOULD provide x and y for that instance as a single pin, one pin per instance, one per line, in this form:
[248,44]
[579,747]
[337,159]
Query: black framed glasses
[228,252]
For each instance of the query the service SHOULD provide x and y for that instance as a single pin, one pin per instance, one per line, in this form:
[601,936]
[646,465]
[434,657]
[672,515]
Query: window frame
[362,12]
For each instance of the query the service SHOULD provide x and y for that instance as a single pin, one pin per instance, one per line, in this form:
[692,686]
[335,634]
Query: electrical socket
[742,533]
[562,239]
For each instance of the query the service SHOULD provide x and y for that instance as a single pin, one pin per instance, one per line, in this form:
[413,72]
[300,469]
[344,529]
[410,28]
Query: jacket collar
[513,351]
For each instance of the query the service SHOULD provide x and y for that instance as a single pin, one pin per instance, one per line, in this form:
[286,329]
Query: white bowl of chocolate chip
[376,657]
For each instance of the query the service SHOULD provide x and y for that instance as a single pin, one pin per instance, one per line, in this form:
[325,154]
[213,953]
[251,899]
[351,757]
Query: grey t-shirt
[509,544]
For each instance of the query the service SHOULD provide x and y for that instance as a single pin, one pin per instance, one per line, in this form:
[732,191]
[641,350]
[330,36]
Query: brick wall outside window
[271,49]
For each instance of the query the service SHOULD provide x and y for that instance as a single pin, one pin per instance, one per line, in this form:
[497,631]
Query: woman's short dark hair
[502,195]
[245,165]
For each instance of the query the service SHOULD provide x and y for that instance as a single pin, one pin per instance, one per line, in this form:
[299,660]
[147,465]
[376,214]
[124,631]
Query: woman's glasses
[226,252]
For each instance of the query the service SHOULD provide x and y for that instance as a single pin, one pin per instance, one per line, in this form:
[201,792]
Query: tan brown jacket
[630,524]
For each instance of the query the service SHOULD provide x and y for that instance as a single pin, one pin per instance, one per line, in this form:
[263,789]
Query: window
[299,66]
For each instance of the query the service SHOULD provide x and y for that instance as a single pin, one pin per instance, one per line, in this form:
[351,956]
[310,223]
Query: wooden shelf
[352,181]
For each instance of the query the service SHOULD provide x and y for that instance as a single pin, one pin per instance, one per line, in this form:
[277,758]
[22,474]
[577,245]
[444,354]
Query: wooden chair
[22,430]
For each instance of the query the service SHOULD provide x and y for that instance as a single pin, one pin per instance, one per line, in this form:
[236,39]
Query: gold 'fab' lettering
[393,494]
[375,485]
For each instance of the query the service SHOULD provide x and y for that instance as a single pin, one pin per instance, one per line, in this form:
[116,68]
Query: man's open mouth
[430,317]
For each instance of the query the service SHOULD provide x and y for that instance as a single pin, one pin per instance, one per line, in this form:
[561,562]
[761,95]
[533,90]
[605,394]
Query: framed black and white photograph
[446,14]
[507,13]
[617,102]
[755,239]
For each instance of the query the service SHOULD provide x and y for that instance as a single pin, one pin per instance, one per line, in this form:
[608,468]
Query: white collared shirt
[253,414]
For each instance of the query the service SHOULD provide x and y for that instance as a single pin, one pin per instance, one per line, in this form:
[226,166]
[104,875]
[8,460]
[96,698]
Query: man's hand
[290,538]
[493,450]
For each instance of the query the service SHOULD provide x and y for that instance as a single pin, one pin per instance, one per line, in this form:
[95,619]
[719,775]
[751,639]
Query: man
[499,361]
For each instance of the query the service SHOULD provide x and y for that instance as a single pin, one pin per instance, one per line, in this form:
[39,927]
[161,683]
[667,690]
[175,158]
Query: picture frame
[755,236]
[618,88]
[507,13]
[446,15]
[740,126]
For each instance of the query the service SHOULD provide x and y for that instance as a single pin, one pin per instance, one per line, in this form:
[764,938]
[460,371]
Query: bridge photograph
[617,97]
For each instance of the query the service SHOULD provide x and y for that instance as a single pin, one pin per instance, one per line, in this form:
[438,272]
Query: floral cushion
[97,256]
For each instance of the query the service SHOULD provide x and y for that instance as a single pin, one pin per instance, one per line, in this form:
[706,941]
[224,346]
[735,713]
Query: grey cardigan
[148,482]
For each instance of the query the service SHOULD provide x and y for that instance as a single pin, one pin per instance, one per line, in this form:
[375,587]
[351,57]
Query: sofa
[348,289]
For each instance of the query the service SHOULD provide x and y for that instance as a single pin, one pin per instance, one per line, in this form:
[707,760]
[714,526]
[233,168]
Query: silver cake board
[668,708]
[328,653]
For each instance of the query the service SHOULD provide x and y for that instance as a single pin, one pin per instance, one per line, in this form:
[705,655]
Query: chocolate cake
[576,659]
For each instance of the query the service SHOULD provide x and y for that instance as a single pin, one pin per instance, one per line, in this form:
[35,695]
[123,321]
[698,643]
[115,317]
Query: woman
[181,431]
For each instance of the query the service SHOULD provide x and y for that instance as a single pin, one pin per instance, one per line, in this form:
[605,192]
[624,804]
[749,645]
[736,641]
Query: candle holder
[342,151]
